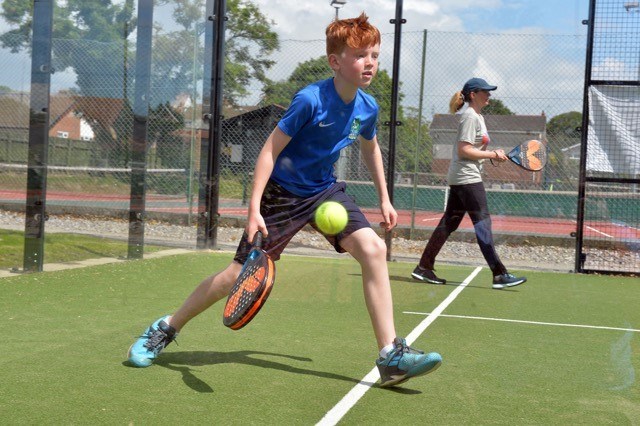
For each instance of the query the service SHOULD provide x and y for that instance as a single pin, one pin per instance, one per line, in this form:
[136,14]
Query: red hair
[355,33]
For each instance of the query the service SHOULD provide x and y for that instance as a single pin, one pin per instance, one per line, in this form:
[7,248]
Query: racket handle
[257,239]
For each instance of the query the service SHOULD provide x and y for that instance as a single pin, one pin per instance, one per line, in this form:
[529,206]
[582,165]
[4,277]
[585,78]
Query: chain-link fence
[539,96]
[91,126]
[610,212]
[540,83]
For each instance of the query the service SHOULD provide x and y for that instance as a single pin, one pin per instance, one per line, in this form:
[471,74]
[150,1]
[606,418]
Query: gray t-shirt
[473,130]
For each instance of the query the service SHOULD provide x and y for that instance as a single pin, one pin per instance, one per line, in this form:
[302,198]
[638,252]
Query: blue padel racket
[251,289]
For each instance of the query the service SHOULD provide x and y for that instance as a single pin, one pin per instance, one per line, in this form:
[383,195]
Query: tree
[496,107]
[102,25]
[305,73]
[91,38]
[564,129]
[281,93]
[317,69]
[414,131]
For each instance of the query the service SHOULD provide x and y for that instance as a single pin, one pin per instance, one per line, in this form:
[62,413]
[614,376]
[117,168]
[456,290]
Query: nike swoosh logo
[322,124]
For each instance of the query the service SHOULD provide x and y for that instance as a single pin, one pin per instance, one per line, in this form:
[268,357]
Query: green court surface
[560,349]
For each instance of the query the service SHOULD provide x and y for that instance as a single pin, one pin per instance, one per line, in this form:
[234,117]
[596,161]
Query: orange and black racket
[252,287]
[530,155]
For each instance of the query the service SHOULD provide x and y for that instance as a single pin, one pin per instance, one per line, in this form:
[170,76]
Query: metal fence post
[210,153]
[35,209]
[393,121]
[140,123]
[414,194]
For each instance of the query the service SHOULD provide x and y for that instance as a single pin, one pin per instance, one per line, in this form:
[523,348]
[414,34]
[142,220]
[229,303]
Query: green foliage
[164,121]
[496,107]
[564,129]
[105,25]
[61,248]
[281,93]
[414,144]
[305,73]
[249,41]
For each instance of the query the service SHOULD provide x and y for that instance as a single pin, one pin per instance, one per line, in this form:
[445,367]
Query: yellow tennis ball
[331,217]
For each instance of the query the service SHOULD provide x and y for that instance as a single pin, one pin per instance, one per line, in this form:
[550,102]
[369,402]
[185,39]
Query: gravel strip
[307,243]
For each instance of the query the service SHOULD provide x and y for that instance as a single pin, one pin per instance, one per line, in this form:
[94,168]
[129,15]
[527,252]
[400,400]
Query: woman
[467,193]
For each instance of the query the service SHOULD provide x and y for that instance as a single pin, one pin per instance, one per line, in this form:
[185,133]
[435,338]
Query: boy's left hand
[389,216]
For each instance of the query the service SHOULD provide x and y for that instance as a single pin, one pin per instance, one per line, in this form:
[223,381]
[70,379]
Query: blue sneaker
[404,362]
[147,348]
[507,280]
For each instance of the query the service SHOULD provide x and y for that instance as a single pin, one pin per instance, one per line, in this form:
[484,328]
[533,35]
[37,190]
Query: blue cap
[477,84]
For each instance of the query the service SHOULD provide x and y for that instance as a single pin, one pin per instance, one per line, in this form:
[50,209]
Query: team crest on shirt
[355,129]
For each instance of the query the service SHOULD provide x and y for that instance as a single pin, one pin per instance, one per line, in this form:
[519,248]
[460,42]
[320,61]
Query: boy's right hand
[255,223]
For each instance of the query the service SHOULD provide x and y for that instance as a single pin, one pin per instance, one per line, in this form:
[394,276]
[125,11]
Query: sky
[546,56]
[305,20]
[534,19]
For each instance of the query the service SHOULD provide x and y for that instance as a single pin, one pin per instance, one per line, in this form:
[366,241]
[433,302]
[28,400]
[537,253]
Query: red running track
[421,219]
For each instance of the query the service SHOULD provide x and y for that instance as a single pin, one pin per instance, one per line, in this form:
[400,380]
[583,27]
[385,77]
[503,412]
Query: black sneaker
[507,280]
[427,275]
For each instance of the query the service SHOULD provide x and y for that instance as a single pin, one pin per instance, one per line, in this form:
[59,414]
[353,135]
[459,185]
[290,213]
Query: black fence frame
[580,258]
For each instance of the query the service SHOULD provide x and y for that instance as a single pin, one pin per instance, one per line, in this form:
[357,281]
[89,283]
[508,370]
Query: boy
[294,175]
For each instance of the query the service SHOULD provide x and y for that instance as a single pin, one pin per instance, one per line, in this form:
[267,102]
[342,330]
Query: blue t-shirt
[320,124]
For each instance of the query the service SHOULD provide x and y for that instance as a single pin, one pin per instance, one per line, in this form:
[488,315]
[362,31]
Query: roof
[506,131]
[15,114]
[254,112]
[103,110]
[502,123]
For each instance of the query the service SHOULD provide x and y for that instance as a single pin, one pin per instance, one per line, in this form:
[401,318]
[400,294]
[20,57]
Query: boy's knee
[375,247]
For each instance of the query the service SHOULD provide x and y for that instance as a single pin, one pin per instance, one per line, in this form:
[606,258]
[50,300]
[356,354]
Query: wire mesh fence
[540,81]
[612,163]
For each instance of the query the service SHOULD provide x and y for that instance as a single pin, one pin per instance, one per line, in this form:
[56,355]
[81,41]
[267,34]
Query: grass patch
[67,333]
[60,248]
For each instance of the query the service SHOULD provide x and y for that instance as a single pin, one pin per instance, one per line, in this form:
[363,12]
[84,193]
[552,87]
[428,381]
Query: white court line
[334,415]
[599,232]
[557,324]
[430,219]
[594,229]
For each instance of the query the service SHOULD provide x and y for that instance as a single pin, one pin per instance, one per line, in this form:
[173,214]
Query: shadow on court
[480,284]
[184,361]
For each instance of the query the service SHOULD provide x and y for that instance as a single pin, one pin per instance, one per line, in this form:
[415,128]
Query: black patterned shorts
[285,214]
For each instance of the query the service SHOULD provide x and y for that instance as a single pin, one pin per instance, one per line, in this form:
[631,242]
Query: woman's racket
[252,287]
[530,155]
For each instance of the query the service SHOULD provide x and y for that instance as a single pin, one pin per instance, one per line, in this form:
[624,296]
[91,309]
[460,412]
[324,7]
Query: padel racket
[530,155]
[252,287]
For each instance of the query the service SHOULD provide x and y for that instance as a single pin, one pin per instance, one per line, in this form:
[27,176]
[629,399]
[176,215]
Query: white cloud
[610,69]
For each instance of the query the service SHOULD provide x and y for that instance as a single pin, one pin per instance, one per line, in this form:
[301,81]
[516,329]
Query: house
[66,121]
[243,135]
[506,131]
[572,152]
[14,120]
[69,115]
